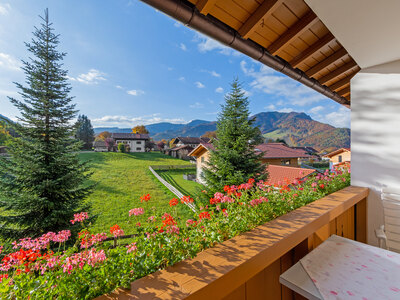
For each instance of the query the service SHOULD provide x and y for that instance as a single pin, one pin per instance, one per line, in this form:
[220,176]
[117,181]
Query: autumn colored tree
[210,134]
[102,136]
[4,134]
[160,145]
[140,129]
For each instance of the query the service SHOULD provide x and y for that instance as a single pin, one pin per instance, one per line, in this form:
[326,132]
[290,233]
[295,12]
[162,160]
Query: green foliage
[42,184]
[121,147]
[84,132]
[4,133]
[168,243]
[186,187]
[234,161]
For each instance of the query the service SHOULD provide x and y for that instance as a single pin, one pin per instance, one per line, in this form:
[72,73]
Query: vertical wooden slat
[321,235]
[238,294]
[332,225]
[286,263]
[361,221]
[272,273]
[256,287]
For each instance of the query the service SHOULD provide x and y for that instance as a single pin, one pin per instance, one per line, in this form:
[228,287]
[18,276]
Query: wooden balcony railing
[248,266]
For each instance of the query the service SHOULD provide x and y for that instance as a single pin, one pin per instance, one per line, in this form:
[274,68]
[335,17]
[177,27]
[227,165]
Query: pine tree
[43,183]
[234,160]
[84,132]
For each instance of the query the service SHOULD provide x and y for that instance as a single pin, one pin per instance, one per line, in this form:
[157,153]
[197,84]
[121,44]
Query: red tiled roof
[279,150]
[129,136]
[286,175]
[182,147]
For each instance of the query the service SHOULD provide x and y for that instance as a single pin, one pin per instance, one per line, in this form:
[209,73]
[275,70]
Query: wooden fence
[170,186]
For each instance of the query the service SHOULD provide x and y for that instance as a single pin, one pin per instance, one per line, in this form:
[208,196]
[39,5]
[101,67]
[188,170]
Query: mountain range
[297,129]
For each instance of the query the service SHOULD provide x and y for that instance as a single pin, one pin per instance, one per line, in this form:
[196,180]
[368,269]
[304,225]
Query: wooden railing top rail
[235,261]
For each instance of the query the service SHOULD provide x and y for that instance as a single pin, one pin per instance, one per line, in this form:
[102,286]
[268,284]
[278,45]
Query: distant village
[283,163]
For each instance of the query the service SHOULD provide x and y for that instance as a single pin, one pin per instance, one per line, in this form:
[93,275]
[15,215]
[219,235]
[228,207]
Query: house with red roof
[281,155]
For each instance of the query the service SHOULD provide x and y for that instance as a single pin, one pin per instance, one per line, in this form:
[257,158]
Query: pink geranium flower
[136,211]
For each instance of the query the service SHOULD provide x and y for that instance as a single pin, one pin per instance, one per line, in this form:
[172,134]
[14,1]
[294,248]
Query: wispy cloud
[197,105]
[119,87]
[212,73]
[135,92]
[271,82]
[199,85]
[181,78]
[316,109]
[177,24]
[286,110]
[270,107]
[205,44]
[219,89]
[128,121]
[182,46]
[9,62]
[339,118]
[93,76]
[4,8]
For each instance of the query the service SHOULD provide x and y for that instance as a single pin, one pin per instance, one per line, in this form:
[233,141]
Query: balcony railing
[248,266]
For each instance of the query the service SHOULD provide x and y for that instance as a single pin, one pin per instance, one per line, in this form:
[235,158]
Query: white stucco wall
[375,135]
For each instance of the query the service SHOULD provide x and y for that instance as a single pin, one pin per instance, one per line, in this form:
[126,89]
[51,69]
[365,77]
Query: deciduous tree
[141,129]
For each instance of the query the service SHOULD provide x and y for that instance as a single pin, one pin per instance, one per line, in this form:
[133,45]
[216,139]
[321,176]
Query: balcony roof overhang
[285,35]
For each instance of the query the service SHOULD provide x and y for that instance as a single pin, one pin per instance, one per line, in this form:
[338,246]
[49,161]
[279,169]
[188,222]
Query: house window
[138,149]
[340,158]
[285,162]
[202,159]
[138,142]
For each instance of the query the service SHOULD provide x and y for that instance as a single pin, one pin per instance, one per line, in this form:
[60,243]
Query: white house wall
[375,135]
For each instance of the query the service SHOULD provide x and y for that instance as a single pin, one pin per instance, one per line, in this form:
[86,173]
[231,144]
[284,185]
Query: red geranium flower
[173,202]
[322,186]
[187,199]
[145,198]
[204,215]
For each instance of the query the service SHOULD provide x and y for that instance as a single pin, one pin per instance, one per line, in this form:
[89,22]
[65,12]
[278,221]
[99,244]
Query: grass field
[121,179]
[175,178]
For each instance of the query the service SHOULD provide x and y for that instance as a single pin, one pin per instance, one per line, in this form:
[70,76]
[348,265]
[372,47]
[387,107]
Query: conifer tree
[84,132]
[234,160]
[42,183]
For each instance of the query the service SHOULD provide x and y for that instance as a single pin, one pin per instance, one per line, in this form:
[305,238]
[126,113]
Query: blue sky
[130,64]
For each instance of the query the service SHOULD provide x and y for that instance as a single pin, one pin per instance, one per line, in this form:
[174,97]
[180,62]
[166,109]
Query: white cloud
[128,121]
[199,85]
[286,110]
[135,92]
[219,89]
[181,78]
[182,46]
[271,82]
[316,109]
[270,107]
[93,76]
[212,73]
[119,87]
[205,44]
[177,24]
[9,62]
[339,118]
[197,105]
[4,9]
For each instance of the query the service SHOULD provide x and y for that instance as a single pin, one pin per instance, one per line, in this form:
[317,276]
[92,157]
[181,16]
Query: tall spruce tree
[84,132]
[234,160]
[43,183]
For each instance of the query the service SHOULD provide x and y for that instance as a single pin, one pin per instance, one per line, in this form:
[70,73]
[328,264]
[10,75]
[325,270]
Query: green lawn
[175,178]
[121,179]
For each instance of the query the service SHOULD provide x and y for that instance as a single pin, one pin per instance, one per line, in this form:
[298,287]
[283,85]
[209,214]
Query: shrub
[121,147]
[91,268]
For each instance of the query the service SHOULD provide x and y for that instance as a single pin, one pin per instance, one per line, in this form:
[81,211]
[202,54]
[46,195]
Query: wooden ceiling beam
[318,45]
[327,62]
[341,83]
[337,72]
[344,92]
[258,17]
[204,6]
[303,24]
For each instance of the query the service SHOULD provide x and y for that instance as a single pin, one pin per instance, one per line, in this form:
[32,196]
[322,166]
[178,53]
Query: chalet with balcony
[338,157]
